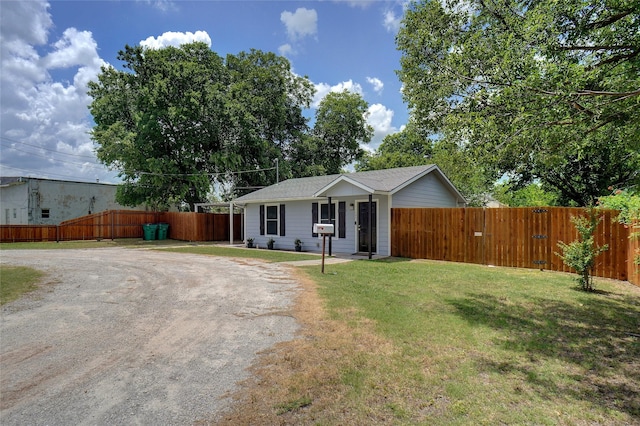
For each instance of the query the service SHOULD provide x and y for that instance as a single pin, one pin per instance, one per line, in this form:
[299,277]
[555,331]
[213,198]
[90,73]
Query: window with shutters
[271,218]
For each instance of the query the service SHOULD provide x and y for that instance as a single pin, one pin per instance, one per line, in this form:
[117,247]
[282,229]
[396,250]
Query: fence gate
[539,239]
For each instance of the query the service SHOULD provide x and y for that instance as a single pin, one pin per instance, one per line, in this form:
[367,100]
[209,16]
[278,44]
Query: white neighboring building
[35,201]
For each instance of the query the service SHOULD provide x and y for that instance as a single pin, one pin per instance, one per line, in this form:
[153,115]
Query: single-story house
[357,204]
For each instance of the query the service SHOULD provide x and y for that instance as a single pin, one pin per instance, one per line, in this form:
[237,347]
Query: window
[320,214]
[45,213]
[326,218]
[272,220]
[324,213]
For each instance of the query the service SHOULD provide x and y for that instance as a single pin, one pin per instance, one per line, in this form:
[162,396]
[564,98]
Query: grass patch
[266,255]
[16,281]
[294,405]
[442,343]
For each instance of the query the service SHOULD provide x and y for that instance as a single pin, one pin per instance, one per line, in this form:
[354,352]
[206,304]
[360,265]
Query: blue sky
[51,50]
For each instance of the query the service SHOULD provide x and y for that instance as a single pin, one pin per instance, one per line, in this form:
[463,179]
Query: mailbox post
[323,229]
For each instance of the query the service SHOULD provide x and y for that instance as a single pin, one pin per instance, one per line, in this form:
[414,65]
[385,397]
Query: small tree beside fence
[581,254]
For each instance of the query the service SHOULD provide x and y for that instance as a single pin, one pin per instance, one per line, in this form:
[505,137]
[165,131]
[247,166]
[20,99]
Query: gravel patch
[133,336]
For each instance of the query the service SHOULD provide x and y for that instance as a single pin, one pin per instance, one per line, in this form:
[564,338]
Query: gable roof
[386,181]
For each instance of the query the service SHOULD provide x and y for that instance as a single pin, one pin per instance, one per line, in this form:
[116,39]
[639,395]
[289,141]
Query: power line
[41,173]
[203,174]
[43,148]
[93,165]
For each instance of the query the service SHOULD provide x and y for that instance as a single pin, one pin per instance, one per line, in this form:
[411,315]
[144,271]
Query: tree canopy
[339,130]
[538,90]
[176,121]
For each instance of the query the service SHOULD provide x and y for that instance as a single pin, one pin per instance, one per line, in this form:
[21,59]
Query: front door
[364,227]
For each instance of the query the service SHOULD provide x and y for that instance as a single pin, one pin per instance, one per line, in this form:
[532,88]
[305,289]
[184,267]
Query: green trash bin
[163,231]
[149,231]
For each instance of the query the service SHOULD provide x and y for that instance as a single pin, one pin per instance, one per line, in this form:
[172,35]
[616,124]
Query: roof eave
[276,200]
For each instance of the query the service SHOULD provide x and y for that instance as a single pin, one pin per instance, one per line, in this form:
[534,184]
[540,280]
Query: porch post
[331,222]
[370,223]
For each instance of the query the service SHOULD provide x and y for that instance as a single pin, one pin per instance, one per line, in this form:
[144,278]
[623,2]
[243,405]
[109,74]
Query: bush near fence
[514,237]
[114,224]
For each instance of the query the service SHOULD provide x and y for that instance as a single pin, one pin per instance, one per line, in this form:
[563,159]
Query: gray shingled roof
[389,179]
[305,188]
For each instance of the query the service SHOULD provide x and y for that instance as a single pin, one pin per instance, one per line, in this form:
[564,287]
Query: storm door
[367,230]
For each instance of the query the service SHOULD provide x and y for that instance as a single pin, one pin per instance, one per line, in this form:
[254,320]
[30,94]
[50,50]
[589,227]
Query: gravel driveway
[134,336]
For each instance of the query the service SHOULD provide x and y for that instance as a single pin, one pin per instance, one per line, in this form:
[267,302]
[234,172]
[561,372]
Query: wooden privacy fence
[516,237]
[113,224]
[202,226]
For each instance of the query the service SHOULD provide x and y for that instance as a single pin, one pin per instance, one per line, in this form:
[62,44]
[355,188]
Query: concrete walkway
[318,261]
[340,258]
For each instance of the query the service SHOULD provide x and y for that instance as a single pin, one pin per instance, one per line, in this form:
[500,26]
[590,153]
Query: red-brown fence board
[514,237]
[114,224]
[27,233]
[633,250]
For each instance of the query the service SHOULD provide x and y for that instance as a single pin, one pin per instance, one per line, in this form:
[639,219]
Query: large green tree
[266,102]
[159,120]
[339,131]
[176,120]
[540,90]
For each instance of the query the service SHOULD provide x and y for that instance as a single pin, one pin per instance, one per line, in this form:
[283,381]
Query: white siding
[428,191]
[346,189]
[298,224]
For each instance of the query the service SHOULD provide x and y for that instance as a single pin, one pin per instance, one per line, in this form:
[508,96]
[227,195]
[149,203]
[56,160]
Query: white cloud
[16,26]
[377,84]
[46,123]
[322,89]
[176,39]
[286,50]
[380,118]
[391,22]
[162,5]
[301,23]
[356,3]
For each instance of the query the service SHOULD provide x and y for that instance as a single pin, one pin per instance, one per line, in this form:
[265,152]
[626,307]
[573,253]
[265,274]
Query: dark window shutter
[261,219]
[282,225]
[342,219]
[314,217]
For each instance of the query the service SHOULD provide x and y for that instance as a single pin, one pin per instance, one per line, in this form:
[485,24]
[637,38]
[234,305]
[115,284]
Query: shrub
[581,254]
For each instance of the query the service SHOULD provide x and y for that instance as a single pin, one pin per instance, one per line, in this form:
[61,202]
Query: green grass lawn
[479,345]
[17,280]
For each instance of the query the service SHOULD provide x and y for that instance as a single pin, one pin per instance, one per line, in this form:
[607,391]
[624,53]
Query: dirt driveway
[134,336]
